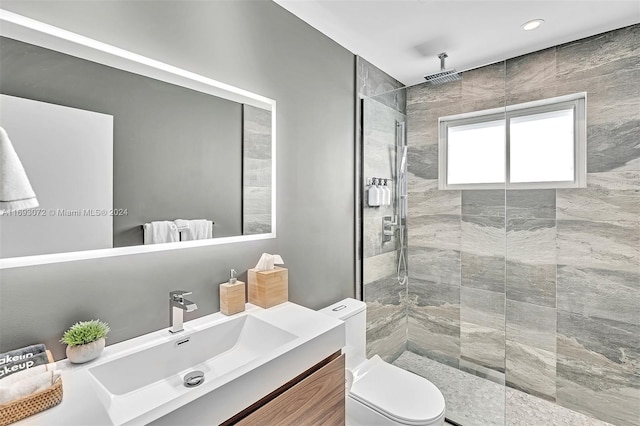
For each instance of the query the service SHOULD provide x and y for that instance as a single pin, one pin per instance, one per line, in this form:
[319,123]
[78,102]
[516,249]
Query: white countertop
[318,336]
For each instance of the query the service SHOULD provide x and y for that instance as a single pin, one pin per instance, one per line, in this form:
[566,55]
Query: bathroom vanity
[263,366]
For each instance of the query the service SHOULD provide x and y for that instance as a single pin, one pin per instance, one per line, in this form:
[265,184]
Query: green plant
[84,332]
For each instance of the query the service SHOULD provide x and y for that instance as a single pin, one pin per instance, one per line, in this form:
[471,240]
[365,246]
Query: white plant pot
[85,353]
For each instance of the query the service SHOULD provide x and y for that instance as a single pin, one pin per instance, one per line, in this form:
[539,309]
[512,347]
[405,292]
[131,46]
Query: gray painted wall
[177,152]
[260,47]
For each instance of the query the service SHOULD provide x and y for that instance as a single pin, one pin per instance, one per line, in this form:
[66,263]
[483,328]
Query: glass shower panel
[383,228]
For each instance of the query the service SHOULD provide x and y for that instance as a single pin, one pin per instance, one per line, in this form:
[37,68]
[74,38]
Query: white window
[538,144]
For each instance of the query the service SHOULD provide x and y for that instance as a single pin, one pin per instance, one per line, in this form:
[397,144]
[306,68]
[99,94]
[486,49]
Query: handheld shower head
[445,75]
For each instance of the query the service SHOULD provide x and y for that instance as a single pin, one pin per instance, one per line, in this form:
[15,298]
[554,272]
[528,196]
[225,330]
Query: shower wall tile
[257,172]
[531,370]
[599,245]
[386,318]
[256,132]
[482,345]
[378,267]
[484,83]
[488,203]
[531,325]
[482,272]
[417,184]
[434,265]
[428,96]
[531,241]
[613,196]
[428,200]
[372,244]
[530,73]
[597,368]
[531,204]
[600,55]
[436,231]
[601,293]
[482,307]
[372,81]
[422,123]
[531,283]
[422,161]
[482,235]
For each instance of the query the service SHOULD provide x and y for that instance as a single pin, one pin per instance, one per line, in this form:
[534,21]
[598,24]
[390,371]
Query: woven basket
[31,404]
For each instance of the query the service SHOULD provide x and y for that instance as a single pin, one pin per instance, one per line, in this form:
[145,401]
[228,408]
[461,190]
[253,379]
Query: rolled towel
[164,231]
[21,375]
[29,385]
[25,363]
[19,354]
[199,229]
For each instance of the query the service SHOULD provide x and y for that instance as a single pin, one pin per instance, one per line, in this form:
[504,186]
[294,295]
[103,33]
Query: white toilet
[380,393]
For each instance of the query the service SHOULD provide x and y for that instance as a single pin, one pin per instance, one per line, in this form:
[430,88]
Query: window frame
[576,101]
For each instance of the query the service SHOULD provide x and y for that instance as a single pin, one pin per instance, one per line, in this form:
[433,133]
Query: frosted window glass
[542,147]
[476,153]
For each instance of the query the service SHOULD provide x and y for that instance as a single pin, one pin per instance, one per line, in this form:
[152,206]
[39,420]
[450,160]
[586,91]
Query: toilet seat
[397,394]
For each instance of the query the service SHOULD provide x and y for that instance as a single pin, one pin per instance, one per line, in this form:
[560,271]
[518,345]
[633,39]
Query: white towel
[15,189]
[24,374]
[28,386]
[182,224]
[161,232]
[199,229]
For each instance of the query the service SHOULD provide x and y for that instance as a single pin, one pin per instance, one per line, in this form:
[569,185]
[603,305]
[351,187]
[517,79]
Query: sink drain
[193,379]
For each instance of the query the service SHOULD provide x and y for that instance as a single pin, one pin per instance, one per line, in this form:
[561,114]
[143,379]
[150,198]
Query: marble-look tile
[434,265]
[379,123]
[430,96]
[608,294]
[435,231]
[422,161]
[482,345]
[372,244]
[256,200]
[471,400]
[434,331]
[256,132]
[379,161]
[256,172]
[385,291]
[417,184]
[482,307]
[599,245]
[482,235]
[613,196]
[386,330]
[484,83]
[531,204]
[613,116]
[600,55]
[531,241]
[482,272]
[490,202]
[378,267]
[530,72]
[527,410]
[537,94]
[597,368]
[531,325]
[428,293]
[531,370]
[256,224]
[372,81]
[423,125]
[428,200]
[531,283]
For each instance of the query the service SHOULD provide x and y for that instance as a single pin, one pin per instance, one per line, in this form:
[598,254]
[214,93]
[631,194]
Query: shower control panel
[388,223]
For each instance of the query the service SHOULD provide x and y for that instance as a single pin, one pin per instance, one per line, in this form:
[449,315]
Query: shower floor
[474,401]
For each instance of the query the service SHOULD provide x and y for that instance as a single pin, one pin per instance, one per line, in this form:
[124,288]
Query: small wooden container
[232,298]
[268,288]
[31,404]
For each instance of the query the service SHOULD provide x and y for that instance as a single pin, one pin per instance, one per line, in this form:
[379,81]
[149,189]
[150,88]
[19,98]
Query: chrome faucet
[177,305]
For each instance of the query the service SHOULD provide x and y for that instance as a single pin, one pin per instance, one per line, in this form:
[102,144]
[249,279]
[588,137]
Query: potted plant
[85,340]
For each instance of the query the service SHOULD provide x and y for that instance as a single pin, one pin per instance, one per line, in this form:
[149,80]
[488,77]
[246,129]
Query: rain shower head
[445,75]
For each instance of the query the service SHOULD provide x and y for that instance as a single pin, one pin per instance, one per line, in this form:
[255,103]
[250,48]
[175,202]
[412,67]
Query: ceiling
[404,37]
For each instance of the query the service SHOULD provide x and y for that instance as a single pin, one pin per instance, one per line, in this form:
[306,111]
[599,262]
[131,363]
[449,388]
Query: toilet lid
[397,394]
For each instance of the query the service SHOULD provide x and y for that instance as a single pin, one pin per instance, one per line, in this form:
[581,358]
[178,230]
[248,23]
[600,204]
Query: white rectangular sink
[215,351]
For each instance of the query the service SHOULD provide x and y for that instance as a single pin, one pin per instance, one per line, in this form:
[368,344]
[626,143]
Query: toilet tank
[354,314]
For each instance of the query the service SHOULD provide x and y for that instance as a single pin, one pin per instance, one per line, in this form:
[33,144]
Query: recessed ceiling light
[532,24]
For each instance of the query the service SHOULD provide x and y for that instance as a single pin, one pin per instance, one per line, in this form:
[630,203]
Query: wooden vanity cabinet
[315,397]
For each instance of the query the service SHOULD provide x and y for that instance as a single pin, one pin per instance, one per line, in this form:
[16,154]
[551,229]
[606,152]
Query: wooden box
[232,298]
[268,288]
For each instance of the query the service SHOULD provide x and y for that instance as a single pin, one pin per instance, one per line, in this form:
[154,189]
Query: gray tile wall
[543,285]
[381,106]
